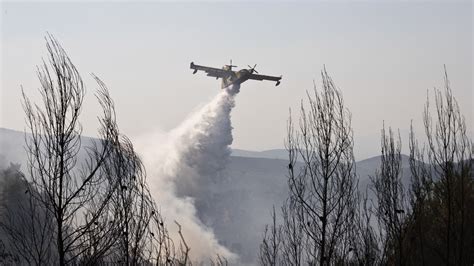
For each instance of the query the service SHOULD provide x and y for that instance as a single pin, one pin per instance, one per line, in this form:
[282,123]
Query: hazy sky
[383,56]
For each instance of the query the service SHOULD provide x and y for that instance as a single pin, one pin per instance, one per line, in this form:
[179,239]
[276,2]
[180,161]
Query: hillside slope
[237,206]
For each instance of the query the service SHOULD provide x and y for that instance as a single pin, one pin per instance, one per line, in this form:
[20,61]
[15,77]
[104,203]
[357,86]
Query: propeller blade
[252,69]
[231,66]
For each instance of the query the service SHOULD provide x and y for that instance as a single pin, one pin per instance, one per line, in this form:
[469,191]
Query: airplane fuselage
[237,78]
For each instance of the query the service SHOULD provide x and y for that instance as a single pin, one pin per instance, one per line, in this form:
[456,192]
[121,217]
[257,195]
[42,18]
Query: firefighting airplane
[230,77]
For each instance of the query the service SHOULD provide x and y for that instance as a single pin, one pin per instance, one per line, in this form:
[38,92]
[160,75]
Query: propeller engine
[230,66]
[252,69]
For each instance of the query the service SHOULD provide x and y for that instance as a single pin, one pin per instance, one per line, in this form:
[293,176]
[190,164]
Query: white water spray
[178,161]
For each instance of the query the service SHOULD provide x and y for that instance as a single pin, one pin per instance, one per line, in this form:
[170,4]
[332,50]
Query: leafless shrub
[322,185]
[93,211]
[391,208]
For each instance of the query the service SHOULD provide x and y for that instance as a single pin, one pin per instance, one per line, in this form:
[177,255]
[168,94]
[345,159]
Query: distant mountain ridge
[12,143]
[237,206]
[281,154]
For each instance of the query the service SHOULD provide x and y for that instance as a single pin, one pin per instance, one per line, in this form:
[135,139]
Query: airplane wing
[263,77]
[211,71]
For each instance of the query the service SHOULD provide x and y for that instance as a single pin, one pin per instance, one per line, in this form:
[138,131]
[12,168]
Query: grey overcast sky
[383,56]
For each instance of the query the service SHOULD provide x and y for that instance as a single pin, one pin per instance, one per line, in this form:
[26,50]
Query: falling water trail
[179,161]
